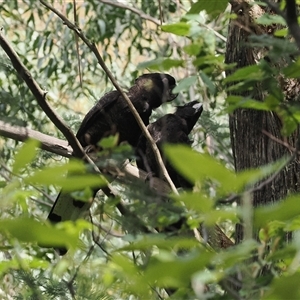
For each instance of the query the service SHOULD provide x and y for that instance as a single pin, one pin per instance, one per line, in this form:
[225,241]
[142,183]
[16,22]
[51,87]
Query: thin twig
[144,129]
[279,141]
[77,43]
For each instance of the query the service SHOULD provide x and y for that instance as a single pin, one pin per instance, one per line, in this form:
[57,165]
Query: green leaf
[3,183]
[109,142]
[284,287]
[25,155]
[196,167]
[292,70]
[145,242]
[192,49]
[212,7]
[253,72]
[181,28]
[208,83]
[241,102]
[161,64]
[268,19]
[286,210]
[168,269]
[76,179]
[29,230]
[234,255]
[185,84]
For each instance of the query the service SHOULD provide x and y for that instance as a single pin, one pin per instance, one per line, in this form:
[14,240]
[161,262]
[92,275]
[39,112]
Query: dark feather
[172,129]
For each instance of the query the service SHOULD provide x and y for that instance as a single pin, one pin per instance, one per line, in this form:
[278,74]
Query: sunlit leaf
[25,155]
[109,142]
[29,230]
[285,210]
[292,70]
[196,167]
[181,28]
[185,84]
[77,178]
[284,287]
[253,72]
[160,64]
[212,7]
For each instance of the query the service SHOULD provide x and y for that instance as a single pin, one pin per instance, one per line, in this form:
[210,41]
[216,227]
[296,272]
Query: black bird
[112,115]
[172,129]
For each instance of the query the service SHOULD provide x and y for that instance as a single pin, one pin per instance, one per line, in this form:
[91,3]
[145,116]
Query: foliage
[110,256]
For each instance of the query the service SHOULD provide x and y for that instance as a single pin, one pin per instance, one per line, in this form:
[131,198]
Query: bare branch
[48,143]
[136,11]
[144,129]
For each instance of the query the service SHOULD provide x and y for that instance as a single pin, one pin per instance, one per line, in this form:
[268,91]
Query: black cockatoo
[112,115]
[172,129]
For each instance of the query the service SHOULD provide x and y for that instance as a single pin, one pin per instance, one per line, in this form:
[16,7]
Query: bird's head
[157,87]
[190,112]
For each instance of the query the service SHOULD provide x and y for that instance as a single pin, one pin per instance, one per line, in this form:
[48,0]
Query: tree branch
[40,96]
[61,147]
[144,129]
[136,11]
[215,236]
[48,143]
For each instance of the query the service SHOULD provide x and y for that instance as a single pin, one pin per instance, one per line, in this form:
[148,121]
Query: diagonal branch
[144,129]
[41,96]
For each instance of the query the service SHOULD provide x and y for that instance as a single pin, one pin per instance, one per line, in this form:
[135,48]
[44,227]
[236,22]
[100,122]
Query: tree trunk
[251,147]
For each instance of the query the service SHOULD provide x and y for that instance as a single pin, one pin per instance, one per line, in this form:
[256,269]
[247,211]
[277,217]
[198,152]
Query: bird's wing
[97,112]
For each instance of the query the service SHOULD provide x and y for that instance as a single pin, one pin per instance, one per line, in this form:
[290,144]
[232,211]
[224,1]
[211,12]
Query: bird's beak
[198,107]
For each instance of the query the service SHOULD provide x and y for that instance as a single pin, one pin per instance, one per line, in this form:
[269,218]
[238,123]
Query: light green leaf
[185,84]
[181,28]
[109,142]
[175,271]
[292,70]
[253,72]
[29,230]
[285,210]
[76,179]
[208,82]
[268,19]
[145,242]
[25,155]
[161,64]
[212,7]
[284,287]
[195,166]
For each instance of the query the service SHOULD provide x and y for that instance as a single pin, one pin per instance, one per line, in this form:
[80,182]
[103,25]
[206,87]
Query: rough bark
[251,147]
